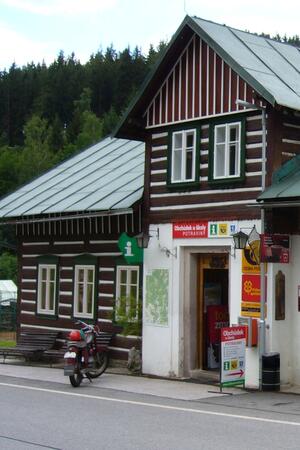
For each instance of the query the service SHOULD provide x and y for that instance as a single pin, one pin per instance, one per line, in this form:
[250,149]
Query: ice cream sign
[206,229]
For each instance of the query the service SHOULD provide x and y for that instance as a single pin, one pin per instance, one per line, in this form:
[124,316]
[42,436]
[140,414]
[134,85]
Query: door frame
[214,261]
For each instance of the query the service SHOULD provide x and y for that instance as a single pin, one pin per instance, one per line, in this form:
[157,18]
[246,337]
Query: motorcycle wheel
[76,379]
[100,364]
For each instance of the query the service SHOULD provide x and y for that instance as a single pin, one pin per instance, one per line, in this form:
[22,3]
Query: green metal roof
[108,176]
[286,183]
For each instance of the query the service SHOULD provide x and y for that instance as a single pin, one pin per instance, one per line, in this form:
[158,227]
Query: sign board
[190,230]
[233,351]
[203,229]
[250,288]
[217,318]
[249,262]
[250,309]
[130,250]
[275,248]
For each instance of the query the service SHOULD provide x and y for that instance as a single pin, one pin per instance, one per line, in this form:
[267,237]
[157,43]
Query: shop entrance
[212,307]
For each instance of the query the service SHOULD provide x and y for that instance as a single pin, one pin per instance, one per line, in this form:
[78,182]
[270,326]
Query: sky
[37,30]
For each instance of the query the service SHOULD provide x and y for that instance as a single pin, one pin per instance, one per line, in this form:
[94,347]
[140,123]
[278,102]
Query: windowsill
[184,185]
[226,181]
[46,315]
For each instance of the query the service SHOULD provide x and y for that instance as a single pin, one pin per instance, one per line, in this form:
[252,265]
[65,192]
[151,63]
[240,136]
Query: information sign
[233,350]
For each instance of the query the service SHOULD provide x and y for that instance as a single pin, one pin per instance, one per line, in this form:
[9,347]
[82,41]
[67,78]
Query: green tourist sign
[131,252]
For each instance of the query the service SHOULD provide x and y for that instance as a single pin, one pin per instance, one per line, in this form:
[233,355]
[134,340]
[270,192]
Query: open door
[213,307]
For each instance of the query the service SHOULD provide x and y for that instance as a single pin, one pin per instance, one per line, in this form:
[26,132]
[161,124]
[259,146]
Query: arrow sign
[233,350]
[239,372]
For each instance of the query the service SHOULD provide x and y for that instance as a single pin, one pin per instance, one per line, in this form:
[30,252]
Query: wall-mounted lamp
[240,240]
[144,238]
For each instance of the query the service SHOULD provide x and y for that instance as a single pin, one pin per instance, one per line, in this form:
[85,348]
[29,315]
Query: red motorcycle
[84,357]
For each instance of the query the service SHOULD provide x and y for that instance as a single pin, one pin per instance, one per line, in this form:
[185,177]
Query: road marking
[151,405]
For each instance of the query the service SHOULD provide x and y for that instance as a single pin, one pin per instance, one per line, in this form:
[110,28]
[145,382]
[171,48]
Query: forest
[47,113]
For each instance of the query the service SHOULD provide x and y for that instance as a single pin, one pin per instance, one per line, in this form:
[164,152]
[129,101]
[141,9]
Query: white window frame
[47,310]
[184,150]
[227,143]
[84,314]
[129,284]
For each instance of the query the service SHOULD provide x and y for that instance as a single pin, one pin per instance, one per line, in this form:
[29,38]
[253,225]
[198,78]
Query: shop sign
[203,229]
[233,351]
[275,248]
[249,262]
[250,288]
[250,309]
[190,230]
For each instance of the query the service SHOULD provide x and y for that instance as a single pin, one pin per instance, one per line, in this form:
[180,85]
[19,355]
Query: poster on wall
[157,295]
[275,248]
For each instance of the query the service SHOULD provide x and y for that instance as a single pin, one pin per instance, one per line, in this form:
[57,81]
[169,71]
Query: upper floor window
[127,293]
[183,156]
[46,299]
[84,291]
[227,151]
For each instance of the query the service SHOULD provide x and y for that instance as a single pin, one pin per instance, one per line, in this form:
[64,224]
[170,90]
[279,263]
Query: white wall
[170,350]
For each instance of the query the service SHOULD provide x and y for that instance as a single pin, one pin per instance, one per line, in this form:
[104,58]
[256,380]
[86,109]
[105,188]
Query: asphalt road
[46,415]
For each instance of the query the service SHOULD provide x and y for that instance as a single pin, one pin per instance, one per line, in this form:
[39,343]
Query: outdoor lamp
[142,240]
[240,240]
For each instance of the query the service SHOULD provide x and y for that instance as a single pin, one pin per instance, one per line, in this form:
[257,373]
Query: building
[209,155]
[74,226]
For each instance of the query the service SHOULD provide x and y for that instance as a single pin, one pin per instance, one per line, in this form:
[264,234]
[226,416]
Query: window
[127,295]
[46,302]
[84,291]
[183,156]
[227,151]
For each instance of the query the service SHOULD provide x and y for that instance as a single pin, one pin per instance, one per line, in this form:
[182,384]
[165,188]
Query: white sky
[36,30]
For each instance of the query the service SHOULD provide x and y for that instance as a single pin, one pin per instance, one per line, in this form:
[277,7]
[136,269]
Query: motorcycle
[84,358]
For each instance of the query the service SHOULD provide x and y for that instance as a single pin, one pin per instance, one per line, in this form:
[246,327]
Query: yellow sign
[223,229]
[250,309]
[249,262]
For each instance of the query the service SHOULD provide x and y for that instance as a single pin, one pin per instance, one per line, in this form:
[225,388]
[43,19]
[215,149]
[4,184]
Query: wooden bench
[31,344]
[61,345]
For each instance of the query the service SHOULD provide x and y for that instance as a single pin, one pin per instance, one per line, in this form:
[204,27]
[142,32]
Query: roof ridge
[246,32]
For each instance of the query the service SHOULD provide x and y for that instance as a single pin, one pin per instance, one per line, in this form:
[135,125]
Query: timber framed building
[200,114]
[68,225]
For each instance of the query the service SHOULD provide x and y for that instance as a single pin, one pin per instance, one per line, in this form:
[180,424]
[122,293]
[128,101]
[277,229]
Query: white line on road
[152,405]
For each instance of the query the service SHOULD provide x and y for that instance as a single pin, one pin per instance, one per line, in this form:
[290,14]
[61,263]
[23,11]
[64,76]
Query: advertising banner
[233,351]
[275,248]
[217,318]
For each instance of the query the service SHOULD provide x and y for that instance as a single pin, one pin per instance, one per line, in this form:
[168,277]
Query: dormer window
[183,168]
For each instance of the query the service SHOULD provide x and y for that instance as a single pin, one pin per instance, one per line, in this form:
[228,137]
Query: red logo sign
[233,333]
[190,230]
[250,288]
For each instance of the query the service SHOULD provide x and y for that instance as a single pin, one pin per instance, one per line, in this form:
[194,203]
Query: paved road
[45,414]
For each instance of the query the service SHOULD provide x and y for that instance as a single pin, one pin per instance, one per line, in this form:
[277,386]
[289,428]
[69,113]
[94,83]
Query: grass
[7,344]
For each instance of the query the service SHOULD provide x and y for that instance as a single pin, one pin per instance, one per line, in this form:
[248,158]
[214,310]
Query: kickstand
[88,377]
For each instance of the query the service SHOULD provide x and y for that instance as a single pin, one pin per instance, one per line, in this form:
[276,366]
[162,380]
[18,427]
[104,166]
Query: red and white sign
[233,350]
[183,230]
[233,333]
